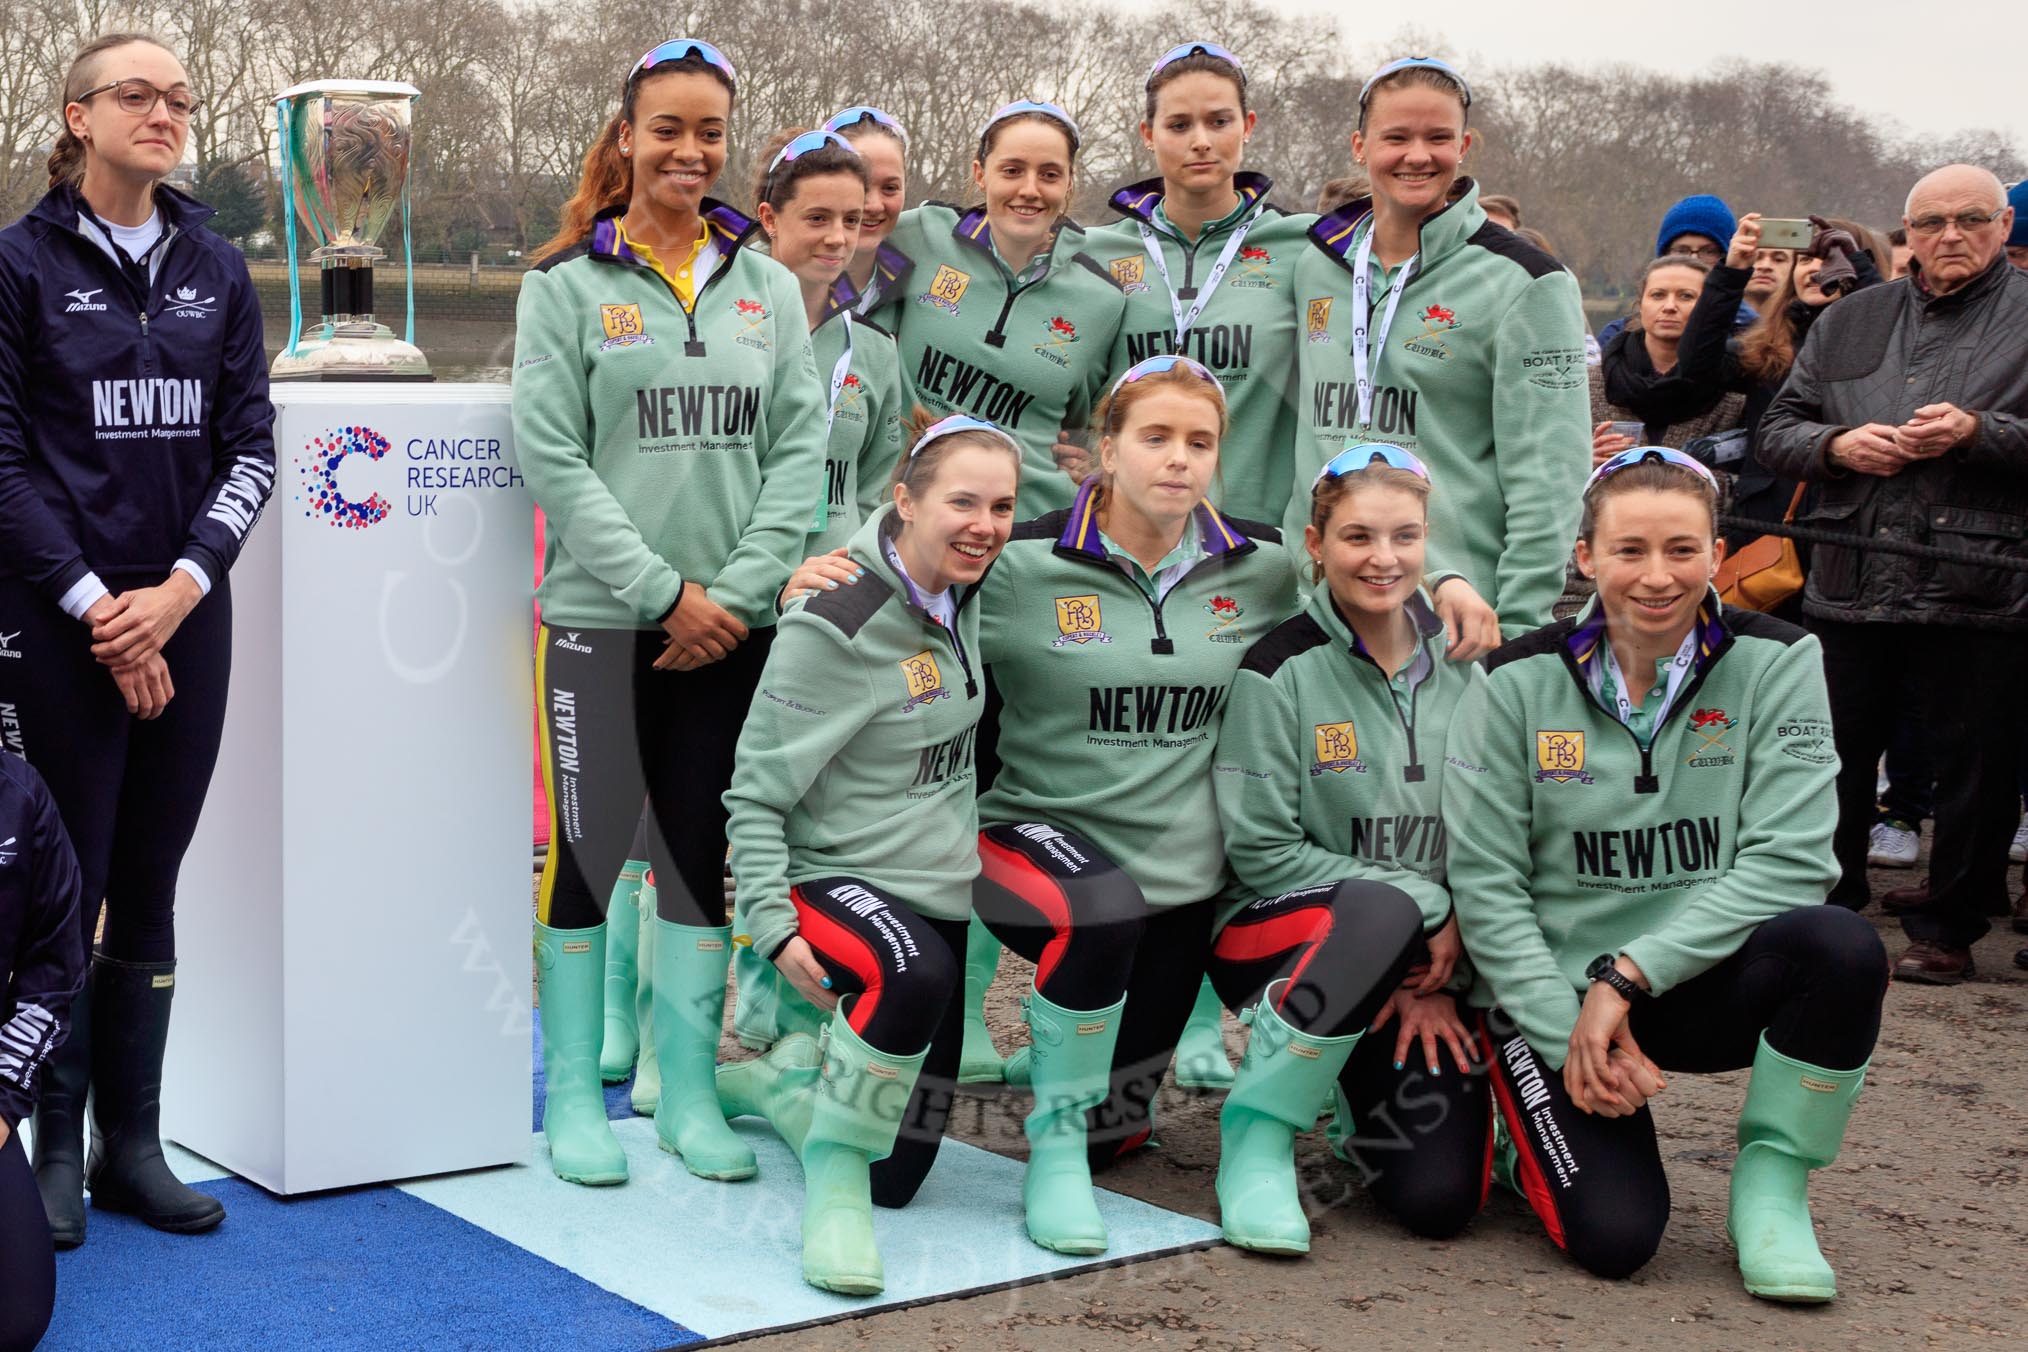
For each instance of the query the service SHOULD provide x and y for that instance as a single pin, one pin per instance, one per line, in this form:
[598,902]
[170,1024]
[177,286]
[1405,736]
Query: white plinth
[353,918]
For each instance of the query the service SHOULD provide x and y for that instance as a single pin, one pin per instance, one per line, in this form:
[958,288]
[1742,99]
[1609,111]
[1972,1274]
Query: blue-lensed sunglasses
[1020,106]
[1641,455]
[1411,63]
[807,142]
[1153,365]
[1367,454]
[860,112]
[676,49]
[1182,50]
[958,422]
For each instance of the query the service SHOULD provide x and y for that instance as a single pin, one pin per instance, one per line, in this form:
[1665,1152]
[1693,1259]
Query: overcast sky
[1872,53]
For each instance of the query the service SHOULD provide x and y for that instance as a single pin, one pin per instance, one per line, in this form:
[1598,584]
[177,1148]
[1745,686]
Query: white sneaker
[1893,845]
[2018,851]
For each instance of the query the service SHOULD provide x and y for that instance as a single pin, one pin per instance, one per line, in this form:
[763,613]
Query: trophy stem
[348,293]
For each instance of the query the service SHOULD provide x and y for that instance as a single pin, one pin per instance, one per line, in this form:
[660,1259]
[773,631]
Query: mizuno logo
[7,850]
[82,300]
[7,648]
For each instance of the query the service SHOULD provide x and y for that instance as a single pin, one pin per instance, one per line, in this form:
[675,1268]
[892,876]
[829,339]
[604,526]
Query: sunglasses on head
[1412,63]
[858,113]
[1641,455]
[1020,106]
[676,49]
[958,422]
[1154,365]
[807,142]
[1365,455]
[1182,50]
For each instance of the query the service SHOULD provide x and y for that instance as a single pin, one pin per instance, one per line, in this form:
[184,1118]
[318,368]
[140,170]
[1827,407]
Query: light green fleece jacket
[1482,375]
[1029,353]
[666,445]
[1322,774]
[856,758]
[1246,333]
[1112,697]
[1569,838]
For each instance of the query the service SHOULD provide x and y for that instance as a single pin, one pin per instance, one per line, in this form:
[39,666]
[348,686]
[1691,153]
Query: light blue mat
[725,1259]
[517,1260]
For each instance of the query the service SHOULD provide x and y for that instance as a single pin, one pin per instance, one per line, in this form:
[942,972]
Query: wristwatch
[1602,969]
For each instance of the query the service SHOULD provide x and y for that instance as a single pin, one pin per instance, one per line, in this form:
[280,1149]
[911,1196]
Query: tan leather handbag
[1765,571]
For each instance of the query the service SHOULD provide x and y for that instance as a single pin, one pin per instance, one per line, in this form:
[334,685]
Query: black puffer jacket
[1876,357]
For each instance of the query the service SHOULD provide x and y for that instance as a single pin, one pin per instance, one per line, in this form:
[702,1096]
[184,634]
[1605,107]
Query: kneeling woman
[1112,631]
[854,828]
[1640,802]
[1328,774]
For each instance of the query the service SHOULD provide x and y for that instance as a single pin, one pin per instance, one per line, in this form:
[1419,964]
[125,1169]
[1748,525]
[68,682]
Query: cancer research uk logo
[318,466]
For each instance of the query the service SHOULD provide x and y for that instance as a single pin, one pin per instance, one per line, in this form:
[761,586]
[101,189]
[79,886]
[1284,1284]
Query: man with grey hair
[1908,408]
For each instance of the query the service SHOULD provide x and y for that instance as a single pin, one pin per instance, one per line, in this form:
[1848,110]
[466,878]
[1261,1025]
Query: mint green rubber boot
[647,1090]
[690,966]
[1070,1064]
[569,965]
[980,1061]
[855,1115]
[1201,1062]
[1281,1086]
[780,1087]
[766,1008]
[622,1045]
[1793,1122]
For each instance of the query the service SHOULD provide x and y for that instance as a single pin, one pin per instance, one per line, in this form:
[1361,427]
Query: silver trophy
[345,160]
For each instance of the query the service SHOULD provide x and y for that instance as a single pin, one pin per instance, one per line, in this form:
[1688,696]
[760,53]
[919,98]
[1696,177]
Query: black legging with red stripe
[1423,1137]
[900,971]
[1811,979]
[900,968]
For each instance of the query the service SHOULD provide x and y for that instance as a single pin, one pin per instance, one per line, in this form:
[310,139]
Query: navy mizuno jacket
[135,427]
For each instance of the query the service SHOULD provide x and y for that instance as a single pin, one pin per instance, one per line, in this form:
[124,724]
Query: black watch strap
[1602,969]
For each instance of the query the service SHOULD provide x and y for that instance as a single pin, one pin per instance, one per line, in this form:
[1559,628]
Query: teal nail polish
[1397,1065]
[1436,1070]
[825,982]
[829,585]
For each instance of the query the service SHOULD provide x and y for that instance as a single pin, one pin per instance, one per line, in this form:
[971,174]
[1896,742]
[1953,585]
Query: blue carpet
[516,1260]
[371,1268]
[619,1100]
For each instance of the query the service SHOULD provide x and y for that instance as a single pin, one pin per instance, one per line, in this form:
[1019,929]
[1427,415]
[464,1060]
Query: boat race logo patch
[947,288]
[1254,263]
[850,392]
[1317,319]
[752,315]
[1225,611]
[1077,621]
[1559,756]
[623,327]
[1061,334]
[925,682]
[1437,322]
[1337,749]
[1130,273]
[1709,726]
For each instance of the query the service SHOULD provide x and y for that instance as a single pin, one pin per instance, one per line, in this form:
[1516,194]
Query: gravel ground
[1922,1216]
